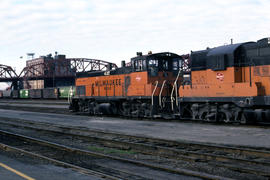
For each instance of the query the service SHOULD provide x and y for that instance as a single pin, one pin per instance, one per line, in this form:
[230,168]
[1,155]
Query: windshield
[153,62]
[177,63]
[163,64]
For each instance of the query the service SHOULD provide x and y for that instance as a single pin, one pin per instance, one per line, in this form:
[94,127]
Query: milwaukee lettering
[116,82]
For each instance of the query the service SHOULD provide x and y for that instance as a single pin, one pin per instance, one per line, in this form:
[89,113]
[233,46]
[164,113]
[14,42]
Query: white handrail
[175,88]
[161,92]
[152,97]
[172,97]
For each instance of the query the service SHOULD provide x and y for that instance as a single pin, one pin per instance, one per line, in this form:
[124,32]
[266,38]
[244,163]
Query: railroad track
[238,159]
[86,161]
[11,149]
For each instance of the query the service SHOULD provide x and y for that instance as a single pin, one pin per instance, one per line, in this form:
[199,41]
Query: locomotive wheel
[243,119]
[121,110]
[146,109]
[74,106]
[186,112]
[125,109]
[91,106]
[222,117]
[226,120]
[248,117]
[203,117]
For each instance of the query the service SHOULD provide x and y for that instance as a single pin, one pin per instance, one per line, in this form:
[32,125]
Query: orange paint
[133,84]
[232,82]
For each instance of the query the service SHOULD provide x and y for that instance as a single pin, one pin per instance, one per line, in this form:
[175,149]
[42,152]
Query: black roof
[165,54]
[224,55]
[221,50]
[198,59]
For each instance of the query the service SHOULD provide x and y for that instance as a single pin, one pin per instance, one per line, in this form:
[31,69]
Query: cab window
[139,65]
[165,65]
[177,63]
[153,63]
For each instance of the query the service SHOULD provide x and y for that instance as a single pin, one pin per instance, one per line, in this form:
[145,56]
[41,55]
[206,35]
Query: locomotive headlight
[268,40]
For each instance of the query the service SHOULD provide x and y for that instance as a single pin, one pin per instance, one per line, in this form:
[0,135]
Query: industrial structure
[50,71]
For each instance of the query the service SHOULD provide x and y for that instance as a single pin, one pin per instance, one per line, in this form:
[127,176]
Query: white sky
[115,30]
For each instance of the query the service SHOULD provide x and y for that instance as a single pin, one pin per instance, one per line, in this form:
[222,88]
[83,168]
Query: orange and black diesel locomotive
[229,83]
[141,89]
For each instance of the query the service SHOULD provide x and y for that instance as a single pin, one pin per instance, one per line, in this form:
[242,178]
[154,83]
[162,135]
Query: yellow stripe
[16,172]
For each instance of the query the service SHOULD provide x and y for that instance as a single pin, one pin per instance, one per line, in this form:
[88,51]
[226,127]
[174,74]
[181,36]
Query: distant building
[49,71]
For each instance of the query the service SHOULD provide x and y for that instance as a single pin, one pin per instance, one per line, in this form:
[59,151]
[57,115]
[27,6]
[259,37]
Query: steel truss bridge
[33,72]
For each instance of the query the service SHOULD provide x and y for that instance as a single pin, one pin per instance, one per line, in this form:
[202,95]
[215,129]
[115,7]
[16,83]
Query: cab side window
[139,65]
[165,65]
[153,67]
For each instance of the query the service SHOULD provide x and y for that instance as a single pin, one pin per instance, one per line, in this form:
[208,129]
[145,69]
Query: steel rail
[135,162]
[186,155]
[226,148]
[5,147]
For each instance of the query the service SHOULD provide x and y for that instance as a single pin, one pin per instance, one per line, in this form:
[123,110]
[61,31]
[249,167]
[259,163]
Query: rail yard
[203,115]
[106,147]
[134,90]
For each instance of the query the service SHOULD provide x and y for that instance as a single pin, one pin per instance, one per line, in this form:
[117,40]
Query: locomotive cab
[154,63]
[162,72]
